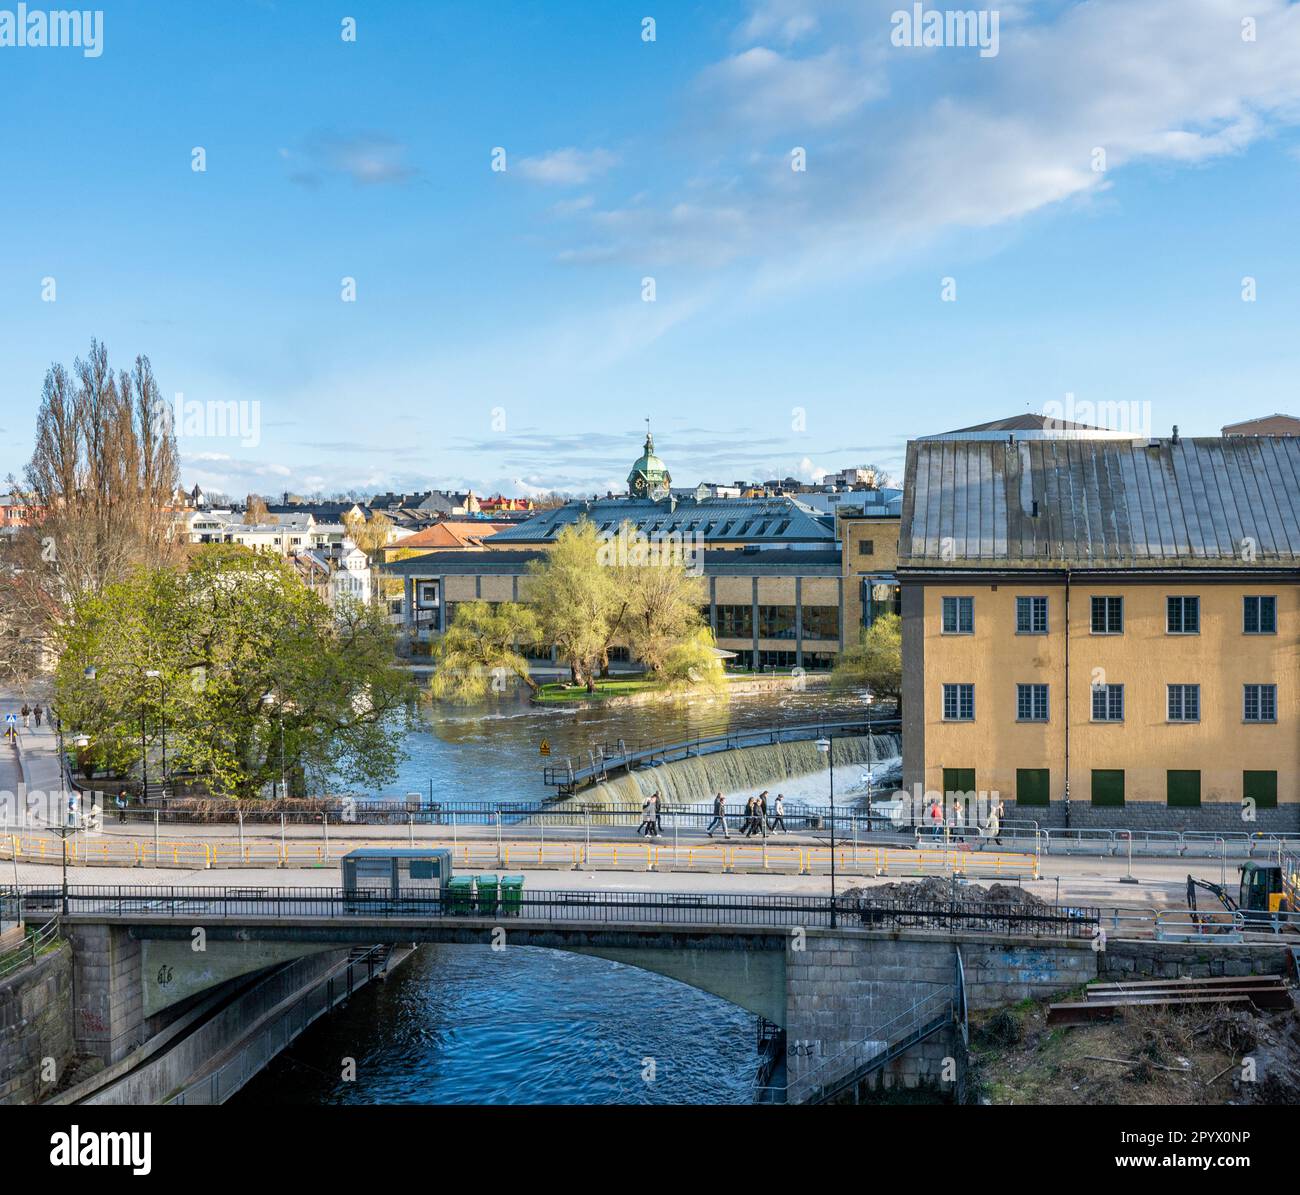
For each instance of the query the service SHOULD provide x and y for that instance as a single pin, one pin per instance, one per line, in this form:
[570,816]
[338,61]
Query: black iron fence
[758,911]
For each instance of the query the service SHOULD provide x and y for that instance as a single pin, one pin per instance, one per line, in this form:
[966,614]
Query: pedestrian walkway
[37,746]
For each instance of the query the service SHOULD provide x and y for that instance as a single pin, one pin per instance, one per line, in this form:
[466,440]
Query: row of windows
[1183,703]
[1182,786]
[777,622]
[1182,615]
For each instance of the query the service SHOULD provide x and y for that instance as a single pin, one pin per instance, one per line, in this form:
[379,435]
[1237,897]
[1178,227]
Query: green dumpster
[487,893]
[512,895]
[460,894]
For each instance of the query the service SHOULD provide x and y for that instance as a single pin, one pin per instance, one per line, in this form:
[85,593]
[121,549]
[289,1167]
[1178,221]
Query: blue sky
[499,337]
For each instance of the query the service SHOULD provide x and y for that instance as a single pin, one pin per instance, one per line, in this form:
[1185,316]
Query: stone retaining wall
[1219,818]
[36,1025]
[1134,959]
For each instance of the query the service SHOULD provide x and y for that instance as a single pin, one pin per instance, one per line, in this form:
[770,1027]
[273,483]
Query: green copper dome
[649,477]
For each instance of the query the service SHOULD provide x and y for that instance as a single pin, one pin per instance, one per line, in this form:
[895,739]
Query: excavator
[1266,890]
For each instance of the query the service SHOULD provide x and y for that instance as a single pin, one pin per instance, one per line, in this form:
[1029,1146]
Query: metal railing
[154,903]
[851,857]
[620,757]
[881,1045]
[35,943]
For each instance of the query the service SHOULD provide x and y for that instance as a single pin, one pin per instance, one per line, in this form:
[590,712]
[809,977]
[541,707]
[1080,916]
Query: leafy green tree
[249,664]
[576,600]
[876,660]
[481,648]
[657,598]
[693,663]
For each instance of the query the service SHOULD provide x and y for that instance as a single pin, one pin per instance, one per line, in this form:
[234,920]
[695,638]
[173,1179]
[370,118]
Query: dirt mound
[932,890]
[1146,1055]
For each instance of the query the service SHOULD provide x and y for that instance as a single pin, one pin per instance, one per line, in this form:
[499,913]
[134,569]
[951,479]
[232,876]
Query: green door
[1107,786]
[1260,787]
[1033,786]
[958,780]
[1183,789]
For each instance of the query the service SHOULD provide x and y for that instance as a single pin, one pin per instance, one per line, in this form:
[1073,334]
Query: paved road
[1072,881]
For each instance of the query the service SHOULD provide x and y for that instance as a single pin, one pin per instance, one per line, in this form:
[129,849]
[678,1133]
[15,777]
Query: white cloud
[567,167]
[957,141]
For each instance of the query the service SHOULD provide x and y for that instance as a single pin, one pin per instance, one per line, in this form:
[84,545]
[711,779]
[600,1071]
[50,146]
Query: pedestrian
[719,817]
[751,817]
[936,818]
[958,820]
[762,812]
[999,812]
[647,826]
[26,712]
[121,804]
[659,814]
[779,819]
[37,713]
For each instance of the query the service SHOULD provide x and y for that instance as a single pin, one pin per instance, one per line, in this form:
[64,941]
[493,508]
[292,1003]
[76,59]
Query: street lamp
[869,699]
[154,674]
[824,745]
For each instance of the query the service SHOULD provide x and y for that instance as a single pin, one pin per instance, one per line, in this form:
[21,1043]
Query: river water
[465,1024]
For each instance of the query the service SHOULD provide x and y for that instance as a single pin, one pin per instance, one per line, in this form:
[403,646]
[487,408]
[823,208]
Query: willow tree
[875,661]
[244,669]
[577,600]
[479,652]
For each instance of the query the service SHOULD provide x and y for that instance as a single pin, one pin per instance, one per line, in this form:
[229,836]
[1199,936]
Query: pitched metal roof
[1211,503]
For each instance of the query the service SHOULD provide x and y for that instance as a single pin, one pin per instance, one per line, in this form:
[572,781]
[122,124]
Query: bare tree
[102,481]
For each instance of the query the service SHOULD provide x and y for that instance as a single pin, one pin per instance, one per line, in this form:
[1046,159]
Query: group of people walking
[954,825]
[756,819]
[28,713]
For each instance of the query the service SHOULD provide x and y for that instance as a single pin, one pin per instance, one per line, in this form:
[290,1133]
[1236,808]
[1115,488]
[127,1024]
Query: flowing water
[492,752]
[464,1024]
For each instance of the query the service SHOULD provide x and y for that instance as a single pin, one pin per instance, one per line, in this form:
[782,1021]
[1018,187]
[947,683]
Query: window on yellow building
[1183,615]
[1031,616]
[959,703]
[1259,615]
[959,616]
[1259,703]
[1107,615]
[1108,703]
[1031,703]
[1184,703]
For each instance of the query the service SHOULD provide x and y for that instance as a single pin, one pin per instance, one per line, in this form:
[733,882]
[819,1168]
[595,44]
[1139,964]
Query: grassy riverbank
[559,692]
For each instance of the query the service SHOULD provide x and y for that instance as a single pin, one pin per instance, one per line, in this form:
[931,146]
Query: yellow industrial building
[1105,630]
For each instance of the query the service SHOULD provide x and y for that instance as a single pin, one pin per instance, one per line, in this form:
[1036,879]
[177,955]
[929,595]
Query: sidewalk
[38,747]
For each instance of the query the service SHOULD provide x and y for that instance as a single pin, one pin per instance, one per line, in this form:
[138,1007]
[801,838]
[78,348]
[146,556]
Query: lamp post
[154,674]
[869,699]
[825,746]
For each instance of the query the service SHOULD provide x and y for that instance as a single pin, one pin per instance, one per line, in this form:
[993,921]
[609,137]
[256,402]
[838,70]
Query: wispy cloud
[367,158]
[567,167]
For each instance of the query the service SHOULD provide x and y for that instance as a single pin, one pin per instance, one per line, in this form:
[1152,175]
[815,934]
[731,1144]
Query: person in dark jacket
[719,817]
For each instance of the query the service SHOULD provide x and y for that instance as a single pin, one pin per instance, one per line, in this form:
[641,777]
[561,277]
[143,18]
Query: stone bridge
[139,953]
